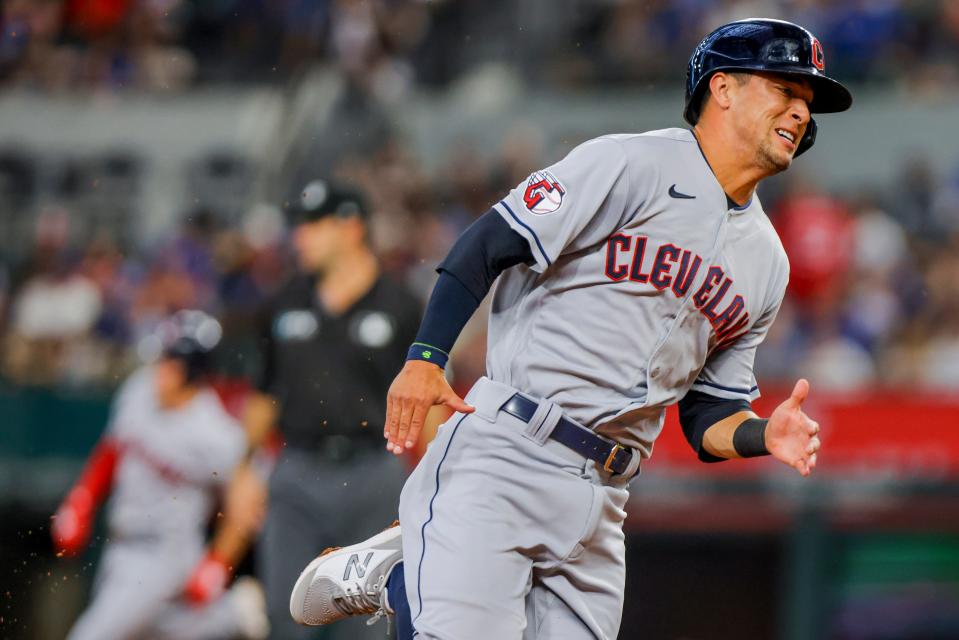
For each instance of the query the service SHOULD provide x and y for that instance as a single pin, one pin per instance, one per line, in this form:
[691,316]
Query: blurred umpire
[331,341]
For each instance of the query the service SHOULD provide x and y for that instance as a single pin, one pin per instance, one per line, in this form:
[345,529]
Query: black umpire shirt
[331,373]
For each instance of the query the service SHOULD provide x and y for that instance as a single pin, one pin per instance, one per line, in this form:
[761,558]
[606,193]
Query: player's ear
[721,88]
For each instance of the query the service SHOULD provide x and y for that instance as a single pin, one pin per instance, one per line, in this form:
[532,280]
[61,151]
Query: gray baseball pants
[136,595]
[508,534]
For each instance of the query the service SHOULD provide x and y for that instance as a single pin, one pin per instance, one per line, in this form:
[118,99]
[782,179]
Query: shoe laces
[376,617]
[357,600]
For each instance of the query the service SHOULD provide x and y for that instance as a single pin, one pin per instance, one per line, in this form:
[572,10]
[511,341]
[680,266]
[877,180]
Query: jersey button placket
[715,254]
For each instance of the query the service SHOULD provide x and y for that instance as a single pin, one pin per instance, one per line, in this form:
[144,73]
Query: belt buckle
[612,456]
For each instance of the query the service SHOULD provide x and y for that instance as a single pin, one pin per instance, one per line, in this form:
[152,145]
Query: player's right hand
[419,386]
[72,524]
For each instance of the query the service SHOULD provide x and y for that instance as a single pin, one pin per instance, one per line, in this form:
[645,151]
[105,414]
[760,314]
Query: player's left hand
[792,437]
[208,580]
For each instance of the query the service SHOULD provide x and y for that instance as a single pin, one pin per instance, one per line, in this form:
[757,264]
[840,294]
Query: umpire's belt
[611,456]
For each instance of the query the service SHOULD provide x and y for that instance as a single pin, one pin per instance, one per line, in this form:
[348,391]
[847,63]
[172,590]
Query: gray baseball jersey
[646,284]
[172,462]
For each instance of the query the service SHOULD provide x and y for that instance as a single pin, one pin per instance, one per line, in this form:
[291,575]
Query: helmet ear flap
[808,138]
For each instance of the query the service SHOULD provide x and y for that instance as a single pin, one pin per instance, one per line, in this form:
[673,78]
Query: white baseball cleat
[347,581]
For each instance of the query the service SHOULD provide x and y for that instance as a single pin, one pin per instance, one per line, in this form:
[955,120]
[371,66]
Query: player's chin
[775,160]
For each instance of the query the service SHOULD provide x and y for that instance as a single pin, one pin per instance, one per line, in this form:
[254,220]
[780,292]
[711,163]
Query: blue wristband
[422,351]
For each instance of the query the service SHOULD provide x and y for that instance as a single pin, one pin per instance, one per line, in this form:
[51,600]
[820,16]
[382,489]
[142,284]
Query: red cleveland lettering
[729,324]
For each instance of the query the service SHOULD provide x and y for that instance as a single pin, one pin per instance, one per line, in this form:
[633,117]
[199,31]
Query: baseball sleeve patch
[544,193]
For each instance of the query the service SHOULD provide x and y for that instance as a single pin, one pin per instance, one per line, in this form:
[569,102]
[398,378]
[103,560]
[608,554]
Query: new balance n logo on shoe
[354,563]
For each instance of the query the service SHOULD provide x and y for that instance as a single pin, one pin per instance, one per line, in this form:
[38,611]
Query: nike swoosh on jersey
[676,194]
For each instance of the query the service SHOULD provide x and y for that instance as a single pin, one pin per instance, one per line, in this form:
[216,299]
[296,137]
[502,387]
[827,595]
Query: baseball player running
[638,272]
[169,448]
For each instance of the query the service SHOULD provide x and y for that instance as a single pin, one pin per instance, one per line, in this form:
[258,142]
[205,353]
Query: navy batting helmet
[761,44]
[189,336]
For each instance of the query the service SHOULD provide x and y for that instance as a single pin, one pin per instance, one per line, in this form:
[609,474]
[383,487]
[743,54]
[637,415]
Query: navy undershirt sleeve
[698,411]
[450,307]
[486,249]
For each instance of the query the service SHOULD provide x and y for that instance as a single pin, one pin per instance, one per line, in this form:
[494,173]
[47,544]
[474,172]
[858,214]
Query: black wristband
[749,439]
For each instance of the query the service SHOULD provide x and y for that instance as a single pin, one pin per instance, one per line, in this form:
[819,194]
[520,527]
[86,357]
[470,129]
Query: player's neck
[733,166]
[347,280]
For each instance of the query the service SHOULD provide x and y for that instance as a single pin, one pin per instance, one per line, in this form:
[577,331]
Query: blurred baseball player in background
[638,272]
[165,457]
[330,342]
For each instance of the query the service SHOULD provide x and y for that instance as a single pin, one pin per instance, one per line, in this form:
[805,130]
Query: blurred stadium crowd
[875,271]
[165,45]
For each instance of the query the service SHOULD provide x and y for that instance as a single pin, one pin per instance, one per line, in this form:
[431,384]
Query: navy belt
[614,458]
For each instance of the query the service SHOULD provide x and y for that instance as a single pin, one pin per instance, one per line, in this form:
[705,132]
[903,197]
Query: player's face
[774,116]
[169,380]
[317,243]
